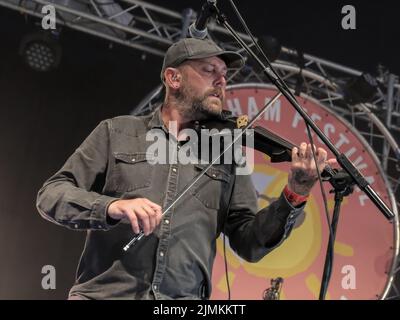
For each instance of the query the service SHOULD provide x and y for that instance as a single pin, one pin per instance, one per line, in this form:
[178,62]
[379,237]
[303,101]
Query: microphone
[198,29]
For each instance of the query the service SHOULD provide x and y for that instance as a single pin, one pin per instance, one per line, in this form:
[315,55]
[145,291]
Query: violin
[277,148]
[265,141]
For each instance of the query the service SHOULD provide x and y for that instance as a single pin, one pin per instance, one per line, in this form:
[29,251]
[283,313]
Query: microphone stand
[343,186]
[355,175]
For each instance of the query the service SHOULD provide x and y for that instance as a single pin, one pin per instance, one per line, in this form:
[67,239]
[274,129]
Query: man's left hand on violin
[303,172]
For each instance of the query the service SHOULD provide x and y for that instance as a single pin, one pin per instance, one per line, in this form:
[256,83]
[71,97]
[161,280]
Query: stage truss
[152,29]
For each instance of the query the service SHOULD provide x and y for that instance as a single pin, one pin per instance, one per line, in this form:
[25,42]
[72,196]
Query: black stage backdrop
[43,119]
[45,116]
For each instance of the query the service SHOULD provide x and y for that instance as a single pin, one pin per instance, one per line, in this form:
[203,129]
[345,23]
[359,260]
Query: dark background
[45,116]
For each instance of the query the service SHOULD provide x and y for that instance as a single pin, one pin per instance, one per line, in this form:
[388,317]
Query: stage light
[360,89]
[270,46]
[40,51]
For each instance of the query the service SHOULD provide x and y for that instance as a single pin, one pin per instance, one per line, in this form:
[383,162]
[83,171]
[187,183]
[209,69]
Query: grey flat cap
[190,49]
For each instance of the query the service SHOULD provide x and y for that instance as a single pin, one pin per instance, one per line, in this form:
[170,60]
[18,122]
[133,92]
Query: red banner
[365,239]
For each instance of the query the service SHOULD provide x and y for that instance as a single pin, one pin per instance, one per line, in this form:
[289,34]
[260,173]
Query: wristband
[293,197]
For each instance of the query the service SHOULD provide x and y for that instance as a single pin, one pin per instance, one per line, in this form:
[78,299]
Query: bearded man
[110,189]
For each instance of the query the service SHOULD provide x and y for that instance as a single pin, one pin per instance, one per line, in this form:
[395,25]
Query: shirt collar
[156,119]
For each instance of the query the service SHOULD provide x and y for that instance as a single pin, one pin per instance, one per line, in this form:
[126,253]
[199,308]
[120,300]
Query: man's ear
[172,78]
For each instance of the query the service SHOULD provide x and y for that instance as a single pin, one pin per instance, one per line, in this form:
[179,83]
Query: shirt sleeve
[68,197]
[252,233]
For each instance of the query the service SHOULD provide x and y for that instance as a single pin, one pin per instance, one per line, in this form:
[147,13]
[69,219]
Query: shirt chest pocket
[212,186]
[132,171]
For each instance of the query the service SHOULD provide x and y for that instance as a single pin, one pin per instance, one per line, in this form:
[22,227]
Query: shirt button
[75,226]
[161,254]
[166,221]
[133,160]
[291,216]
[155,287]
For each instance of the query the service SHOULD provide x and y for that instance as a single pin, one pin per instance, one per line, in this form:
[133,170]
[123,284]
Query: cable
[233,171]
[226,269]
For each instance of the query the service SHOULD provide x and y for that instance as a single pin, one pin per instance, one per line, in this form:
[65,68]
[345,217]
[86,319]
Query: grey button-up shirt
[174,262]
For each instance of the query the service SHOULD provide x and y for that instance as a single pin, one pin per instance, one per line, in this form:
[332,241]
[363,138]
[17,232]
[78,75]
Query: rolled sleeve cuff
[287,214]
[290,218]
[99,213]
[294,211]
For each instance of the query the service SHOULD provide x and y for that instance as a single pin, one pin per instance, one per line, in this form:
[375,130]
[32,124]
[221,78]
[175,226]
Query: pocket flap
[133,157]
[216,173]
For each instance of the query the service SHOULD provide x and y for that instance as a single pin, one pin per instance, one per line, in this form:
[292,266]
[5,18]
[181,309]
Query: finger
[159,213]
[295,155]
[152,216]
[309,154]
[321,155]
[144,220]
[158,218]
[133,220]
[332,162]
[302,150]
[152,204]
[156,214]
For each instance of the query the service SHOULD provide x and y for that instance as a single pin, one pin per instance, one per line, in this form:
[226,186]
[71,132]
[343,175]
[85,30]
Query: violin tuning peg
[242,121]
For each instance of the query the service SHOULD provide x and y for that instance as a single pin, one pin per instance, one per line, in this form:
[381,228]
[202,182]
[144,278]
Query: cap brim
[231,58]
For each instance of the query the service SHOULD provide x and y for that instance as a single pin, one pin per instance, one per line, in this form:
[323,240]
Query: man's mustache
[218,92]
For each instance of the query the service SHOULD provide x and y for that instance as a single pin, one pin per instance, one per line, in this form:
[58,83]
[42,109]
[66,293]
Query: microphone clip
[198,29]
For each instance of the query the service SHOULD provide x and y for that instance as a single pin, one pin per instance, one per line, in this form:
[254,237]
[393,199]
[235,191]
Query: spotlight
[360,89]
[40,51]
[270,46]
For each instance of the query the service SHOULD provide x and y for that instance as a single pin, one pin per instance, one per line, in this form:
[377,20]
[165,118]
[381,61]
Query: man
[108,188]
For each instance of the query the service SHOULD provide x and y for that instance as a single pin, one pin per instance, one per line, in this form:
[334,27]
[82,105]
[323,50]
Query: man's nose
[220,81]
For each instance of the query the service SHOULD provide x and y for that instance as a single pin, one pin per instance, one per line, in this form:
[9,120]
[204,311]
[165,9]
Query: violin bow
[140,235]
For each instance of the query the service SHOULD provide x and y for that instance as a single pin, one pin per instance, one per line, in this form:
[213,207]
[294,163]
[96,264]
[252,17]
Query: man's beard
[192,107]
